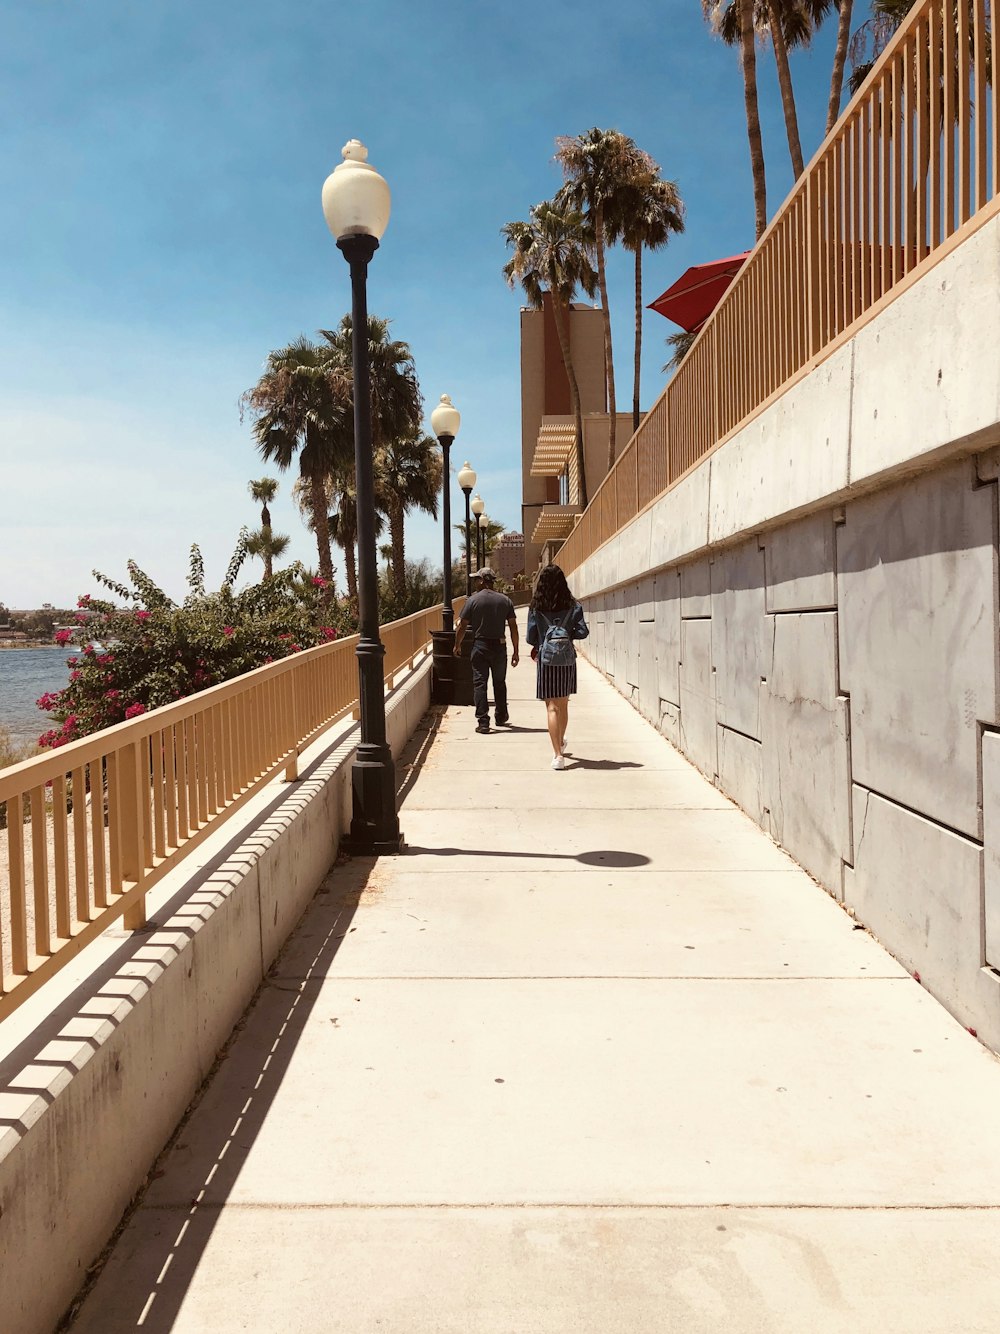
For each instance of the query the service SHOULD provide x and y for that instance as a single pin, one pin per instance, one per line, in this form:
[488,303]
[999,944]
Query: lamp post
[445,421]
[484,521]
[356,206]
[467,480]
[477,507]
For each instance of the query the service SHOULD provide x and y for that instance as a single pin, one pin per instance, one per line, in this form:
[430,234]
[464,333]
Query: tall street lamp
[467,480]
[445,421]
[356,205]
[484,520]
[477,507]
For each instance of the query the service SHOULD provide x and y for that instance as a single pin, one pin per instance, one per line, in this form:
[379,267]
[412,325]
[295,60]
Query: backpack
[556,648]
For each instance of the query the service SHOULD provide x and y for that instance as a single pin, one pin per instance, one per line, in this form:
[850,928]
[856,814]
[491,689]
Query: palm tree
[680,345]
[649,213]
[407,476]
[598,167]
[552,254]
[397,404]
[261,543]
[268,546]
[839,61]
[303,410]
[714,12]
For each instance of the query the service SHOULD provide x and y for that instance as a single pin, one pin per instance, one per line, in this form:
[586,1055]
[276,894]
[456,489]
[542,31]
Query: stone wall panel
[697,691]
[800,565]
[917,592]
[738,625]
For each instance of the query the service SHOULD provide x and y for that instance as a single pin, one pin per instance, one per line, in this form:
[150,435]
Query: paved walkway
[593,1056]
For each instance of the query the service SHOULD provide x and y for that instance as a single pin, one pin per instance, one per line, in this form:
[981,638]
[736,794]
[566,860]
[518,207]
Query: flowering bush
[152,651]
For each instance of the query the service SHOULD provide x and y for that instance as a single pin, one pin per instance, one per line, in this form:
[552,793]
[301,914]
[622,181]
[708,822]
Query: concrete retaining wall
[95,1078]
[812,617]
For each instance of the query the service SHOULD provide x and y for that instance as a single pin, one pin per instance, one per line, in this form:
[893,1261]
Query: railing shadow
[163,1263]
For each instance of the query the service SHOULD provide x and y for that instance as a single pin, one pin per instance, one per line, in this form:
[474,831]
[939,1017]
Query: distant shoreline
[19,648]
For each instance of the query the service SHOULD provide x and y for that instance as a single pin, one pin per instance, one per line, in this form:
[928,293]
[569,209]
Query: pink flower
[111,694]
[47,701]
[63,637]
[320,583]
[134,710]
[83,601]
[143,615]
[81,620]
[75,676]
[105,658]
[228,630]
[328,632]
[286,636]
[88,650]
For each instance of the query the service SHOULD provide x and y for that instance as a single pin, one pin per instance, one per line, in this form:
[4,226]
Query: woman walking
[555,619]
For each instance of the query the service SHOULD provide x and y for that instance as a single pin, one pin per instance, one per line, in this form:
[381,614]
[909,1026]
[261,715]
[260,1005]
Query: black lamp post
[484,523]
[445,421]
[477,507]
[467,480]
[356,206]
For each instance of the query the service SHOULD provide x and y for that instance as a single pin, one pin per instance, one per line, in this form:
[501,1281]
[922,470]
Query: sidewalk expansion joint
[302,1206]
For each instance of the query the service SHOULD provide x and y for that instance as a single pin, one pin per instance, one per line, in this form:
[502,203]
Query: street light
[445,421]
[477,507]
[467,480]
[484,521]
[356,205]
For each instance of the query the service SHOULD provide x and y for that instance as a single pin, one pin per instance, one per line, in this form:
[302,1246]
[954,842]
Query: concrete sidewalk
[592,1056]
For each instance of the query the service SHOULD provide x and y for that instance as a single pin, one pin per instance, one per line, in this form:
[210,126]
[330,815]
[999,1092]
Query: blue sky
[161,167]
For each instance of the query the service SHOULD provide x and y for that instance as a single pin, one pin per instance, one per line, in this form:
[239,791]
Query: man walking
[484,615]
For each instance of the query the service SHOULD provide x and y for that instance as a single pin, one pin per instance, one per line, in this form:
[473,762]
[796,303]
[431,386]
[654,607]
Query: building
[507,556]
[550,484]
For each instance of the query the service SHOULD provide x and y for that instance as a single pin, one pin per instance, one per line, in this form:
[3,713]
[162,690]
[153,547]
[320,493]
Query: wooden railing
[910,169]
[92,826]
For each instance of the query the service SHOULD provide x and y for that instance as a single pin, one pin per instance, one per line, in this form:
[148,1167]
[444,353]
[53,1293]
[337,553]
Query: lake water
[26,673]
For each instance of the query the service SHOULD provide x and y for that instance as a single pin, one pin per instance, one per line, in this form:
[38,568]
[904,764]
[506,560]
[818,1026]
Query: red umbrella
[692,298]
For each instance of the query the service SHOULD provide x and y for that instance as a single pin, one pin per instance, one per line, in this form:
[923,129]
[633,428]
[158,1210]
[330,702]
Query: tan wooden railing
[907,173]
[93,826]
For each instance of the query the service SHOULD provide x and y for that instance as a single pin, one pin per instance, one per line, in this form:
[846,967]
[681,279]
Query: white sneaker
[558,762]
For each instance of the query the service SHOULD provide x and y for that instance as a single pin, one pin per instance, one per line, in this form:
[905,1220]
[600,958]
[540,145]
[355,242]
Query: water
[26,673]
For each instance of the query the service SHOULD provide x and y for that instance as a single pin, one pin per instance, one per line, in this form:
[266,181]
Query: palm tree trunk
[839,61]
[321,526]
[581,460]
[609,364]
[787,91]
[748,60]
[396,520]
[268,552]
[351,570]
[638,338]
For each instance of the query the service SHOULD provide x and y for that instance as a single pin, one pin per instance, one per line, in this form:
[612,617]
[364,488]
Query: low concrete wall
[95,1077]
[812,617]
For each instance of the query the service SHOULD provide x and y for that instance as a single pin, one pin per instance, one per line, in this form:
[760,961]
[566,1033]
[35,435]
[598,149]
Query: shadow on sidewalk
[162,1254]
[605,857]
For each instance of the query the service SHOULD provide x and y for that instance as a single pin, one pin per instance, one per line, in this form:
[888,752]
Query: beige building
[550,484]
[507,556]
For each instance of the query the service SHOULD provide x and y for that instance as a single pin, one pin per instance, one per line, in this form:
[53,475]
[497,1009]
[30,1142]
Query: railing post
[131,827]
[812,266]
[292,767]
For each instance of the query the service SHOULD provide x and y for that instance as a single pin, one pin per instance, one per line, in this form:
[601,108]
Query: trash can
[451,677]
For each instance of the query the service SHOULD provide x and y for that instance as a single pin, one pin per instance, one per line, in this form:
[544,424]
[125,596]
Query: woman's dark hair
[552,591]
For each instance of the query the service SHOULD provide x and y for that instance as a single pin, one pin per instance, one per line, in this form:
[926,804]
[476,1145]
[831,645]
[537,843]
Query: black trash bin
[451,677]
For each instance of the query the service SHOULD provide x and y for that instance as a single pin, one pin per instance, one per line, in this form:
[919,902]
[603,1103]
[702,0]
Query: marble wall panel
[800,564]
[649,685]
[991,845]
[631,635]
[740,771]
[918,887]
[806,762]
[696,588]
[917,593]
[697,691]
[667,595]
[738,626]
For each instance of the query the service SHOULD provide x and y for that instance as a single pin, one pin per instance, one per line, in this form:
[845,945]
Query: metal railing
[910,169]
[92,826]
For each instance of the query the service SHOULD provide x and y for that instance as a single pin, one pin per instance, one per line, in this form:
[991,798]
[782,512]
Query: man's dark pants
[488,656]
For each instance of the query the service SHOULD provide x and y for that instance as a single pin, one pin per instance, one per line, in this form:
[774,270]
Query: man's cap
[484,573]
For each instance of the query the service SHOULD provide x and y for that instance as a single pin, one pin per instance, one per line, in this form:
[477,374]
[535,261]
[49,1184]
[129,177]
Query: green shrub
[153,651]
